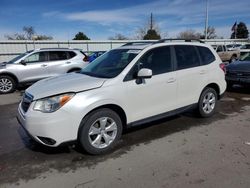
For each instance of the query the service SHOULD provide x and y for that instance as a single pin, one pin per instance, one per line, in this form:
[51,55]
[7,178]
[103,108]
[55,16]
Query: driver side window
[158,60]
[36,57]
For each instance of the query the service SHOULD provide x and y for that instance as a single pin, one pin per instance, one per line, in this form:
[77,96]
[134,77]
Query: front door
[35,67]
[156,95]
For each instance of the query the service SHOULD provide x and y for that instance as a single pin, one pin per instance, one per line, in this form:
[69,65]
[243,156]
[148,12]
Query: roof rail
[185,40]
[55,48]
[139,43]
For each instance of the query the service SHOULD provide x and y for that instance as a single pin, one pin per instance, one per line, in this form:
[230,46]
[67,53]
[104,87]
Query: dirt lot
[182,151]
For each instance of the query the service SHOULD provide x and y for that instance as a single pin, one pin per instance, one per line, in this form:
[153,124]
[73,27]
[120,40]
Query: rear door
[59,62]
[191,77]
[35,68]
[156,95]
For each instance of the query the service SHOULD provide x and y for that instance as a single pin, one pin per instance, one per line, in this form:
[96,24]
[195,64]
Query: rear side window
[71,54]
[206,55]
[186,56]
[57,55]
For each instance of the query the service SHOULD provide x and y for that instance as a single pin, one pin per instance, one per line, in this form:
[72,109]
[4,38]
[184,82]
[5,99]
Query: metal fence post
[87,46]
[26,46]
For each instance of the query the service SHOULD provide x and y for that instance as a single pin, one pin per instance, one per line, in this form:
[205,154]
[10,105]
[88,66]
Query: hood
[239,66]
[71,82]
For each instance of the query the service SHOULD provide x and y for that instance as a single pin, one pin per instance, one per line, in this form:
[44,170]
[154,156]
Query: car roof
[144,44]
[57,49]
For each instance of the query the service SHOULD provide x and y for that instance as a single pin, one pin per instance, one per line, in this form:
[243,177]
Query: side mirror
[23,62]
[144,73]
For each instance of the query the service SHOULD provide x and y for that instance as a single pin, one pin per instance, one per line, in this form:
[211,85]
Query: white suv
[127,86]
[38,64]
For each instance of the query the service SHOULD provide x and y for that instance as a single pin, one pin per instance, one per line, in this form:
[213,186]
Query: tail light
[223,67]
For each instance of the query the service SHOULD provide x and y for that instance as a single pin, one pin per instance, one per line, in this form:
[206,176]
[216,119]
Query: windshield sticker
[133,51]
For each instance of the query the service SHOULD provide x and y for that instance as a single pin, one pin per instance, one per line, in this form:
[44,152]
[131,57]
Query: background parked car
[238,72]
[231,47]
[244,49]
[225,54]
[38,64]
[92,56]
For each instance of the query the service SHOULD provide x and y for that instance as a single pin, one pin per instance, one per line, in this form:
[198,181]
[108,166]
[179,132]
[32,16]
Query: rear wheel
[7,84]
[207,102]
[100,131]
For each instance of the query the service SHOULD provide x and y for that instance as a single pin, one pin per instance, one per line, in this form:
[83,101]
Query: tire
[99,138]
[207,103]
[7,84]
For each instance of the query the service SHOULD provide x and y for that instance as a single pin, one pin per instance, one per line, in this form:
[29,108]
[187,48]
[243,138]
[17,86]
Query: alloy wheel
[102,132]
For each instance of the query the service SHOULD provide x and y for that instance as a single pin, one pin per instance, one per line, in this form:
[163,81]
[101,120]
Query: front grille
[238,74]
[27,99]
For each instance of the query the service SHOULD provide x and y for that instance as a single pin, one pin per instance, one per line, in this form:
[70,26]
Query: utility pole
[151,21]
[206,21]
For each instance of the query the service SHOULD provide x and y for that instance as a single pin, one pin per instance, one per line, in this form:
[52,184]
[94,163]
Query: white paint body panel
[156,95]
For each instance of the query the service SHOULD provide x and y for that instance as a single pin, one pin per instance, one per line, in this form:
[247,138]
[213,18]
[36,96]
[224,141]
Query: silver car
[39,64]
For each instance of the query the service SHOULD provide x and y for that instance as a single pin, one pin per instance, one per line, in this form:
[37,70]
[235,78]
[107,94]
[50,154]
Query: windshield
[18,57]
[245,57]
[110,64]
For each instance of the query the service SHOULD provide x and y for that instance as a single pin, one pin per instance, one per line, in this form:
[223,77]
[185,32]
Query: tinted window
[36,57]
[57,55]
[71,54]
[158,60]
[219,49]
[186,57]
[206,55]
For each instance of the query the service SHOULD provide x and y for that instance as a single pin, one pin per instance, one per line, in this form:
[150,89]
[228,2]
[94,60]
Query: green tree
[81,36]
[151,35]
[241,31]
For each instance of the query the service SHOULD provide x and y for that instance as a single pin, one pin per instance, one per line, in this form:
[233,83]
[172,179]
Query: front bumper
[50,129]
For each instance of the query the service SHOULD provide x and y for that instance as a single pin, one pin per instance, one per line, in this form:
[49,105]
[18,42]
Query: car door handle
[44,65]
[68,62]
[202,72]
[171,80]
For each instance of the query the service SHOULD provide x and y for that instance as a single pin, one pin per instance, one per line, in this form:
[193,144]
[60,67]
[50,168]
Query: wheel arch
[215,87]
[11,75]
[116,108]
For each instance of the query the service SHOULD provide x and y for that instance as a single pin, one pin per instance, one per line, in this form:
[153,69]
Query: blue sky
[100,19]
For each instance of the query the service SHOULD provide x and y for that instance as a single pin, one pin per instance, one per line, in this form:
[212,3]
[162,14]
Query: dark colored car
[95,55]
[238,72]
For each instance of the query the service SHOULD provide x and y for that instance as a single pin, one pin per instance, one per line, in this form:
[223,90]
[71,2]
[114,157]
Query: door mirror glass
[144,73]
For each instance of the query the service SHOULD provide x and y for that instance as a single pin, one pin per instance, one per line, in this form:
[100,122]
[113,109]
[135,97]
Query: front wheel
[207,102]
[100,131]
[7,84]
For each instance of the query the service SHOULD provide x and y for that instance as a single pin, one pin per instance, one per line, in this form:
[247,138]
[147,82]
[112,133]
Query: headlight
[51,104]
